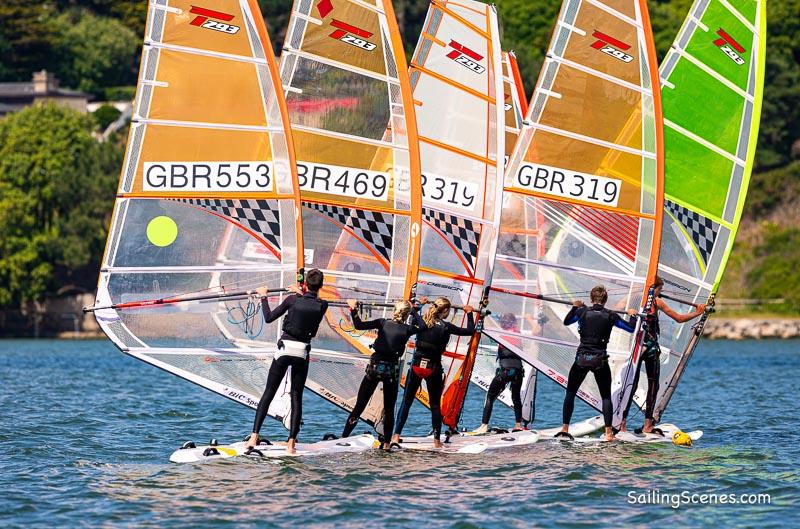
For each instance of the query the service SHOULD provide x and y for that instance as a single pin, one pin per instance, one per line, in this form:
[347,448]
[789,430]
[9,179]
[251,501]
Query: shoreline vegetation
[59,169]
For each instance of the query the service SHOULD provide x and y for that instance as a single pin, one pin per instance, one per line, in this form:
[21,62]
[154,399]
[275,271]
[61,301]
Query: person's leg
[603,378]
[652,367]
[368,385]
[389,400]
[516,398]
[277,370]
[576,376]
[495,388]
[412,385]
[435,384]
[298,383]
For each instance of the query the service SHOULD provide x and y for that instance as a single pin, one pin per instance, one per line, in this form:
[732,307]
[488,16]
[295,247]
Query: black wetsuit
[595,324]
[427,365]
[303,316]
[389,346]
[651,358]
[510,371]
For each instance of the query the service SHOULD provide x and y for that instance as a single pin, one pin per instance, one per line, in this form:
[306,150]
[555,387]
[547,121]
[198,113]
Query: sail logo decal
[342,181]
[466,57]
[568,184]
[611,46]
[233,177]
[204,20]
[352,35]
[729,46]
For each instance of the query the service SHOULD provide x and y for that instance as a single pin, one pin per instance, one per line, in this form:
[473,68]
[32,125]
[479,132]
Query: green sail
[712,86]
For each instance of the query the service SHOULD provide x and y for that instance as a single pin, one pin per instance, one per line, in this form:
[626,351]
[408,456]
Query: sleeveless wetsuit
[303,317]
[389,346]
[427,365]
[510,371]
[651,358]
[594,326]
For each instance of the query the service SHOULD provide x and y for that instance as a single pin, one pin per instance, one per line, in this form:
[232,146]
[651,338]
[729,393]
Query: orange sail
[208,201]
[584,187]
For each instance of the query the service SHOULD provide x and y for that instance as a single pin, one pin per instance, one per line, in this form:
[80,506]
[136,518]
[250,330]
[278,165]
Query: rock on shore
[744,328]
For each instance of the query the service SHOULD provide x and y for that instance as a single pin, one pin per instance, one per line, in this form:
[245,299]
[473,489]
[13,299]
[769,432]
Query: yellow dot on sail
[162,231]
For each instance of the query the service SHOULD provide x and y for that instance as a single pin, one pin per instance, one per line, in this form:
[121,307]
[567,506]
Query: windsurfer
[510,370]
[389,346]
[595,324]
[432,339]
[304,312]
[651,353]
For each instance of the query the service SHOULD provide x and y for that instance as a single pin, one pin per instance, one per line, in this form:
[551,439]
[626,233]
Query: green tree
[29,36]
[56,193]
[95,52]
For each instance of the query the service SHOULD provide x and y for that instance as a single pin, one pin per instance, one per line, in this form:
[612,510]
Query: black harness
[303,318]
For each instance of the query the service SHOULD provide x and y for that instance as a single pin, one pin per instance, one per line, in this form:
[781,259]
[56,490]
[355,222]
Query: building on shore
[43,87]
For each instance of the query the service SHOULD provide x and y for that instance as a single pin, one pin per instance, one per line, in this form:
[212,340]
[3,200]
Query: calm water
[86,434]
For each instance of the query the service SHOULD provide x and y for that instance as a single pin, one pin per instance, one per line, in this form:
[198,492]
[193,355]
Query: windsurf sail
[207,206]
[515,105]
[583,190]
[712,87]
[456,77]
[345,75]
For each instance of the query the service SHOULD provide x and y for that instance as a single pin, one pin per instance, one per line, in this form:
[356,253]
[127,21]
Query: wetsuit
[389,346]
[427,365]
[650,357]
[594,326]
[303,316]
[510,370]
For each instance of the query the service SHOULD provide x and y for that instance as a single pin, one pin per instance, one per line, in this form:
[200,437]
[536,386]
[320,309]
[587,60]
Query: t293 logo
[210,19]
[466,57]
[611,46]
[729,46]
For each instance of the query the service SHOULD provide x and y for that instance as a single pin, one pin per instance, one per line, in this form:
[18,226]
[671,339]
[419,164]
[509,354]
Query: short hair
[314,279]
[508,321]
[599,295]
[658,282]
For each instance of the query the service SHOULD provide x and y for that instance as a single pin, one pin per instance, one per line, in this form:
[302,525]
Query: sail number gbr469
[568,184]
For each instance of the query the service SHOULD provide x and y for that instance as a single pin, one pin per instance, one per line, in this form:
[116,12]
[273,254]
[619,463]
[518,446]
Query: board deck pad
[357,443]
[471,443]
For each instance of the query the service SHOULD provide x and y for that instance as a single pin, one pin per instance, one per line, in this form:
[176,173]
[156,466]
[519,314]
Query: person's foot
[623,426]
[518,427]
[609,436]
[437,443]
[482,429]
[252,441]
[648,426]
[396,439]
[290,446]
[387,447]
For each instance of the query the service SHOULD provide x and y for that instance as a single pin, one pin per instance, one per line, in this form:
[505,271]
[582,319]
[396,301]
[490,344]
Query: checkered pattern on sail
[260,216]
[371,226]
[703,231]
[462,233]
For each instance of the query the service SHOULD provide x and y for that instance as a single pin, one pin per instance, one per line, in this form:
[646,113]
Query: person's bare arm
[680,318]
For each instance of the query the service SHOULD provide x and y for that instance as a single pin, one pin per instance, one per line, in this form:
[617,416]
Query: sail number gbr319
[568,184]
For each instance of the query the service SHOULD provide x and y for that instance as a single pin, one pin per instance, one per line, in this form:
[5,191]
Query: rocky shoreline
[749,328]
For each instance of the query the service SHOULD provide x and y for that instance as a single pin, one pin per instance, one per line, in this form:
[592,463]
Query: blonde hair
[401,311]
[436,311]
